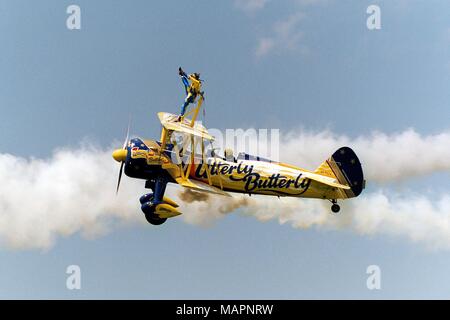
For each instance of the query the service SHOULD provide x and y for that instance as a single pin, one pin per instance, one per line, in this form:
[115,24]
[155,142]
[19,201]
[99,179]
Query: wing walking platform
[170,122]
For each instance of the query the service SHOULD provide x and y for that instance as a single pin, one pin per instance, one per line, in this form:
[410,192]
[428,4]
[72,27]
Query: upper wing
[169,121]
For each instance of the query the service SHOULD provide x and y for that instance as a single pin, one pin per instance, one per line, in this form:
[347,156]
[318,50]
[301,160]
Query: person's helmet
[196,75]
[229,156]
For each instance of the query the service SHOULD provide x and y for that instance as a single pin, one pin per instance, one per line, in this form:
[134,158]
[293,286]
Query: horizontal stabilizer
[325,180]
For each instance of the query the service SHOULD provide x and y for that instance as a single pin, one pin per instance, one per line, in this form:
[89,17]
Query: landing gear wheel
[335,208]
[148,208]
[154,219]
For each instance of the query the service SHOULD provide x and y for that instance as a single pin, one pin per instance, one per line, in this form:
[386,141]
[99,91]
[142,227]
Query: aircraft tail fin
[344,166]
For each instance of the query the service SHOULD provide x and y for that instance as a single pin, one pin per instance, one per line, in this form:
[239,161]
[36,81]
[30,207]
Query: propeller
[120,177]
[120,155]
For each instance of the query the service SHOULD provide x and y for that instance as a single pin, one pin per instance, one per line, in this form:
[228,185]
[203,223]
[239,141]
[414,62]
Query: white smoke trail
[384,157]
[71,192]
[414,218]
[74,192]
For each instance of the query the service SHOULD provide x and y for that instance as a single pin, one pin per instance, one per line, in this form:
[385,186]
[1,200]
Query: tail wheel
[335,208]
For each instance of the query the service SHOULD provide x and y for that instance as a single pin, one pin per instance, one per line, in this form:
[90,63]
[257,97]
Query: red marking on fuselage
[192,172]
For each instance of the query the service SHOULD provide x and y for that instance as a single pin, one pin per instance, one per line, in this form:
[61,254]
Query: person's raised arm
[184,78]
[181,72]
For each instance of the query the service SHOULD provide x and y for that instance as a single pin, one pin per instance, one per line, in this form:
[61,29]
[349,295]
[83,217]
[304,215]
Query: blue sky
[326,71]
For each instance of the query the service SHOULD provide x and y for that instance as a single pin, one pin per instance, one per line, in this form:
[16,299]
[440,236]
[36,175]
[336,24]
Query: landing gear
[149,201]
[146,198]
[335,207]
[148,208]
[154,219]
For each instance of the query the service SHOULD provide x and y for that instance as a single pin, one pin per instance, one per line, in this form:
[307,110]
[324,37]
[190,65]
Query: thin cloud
[250,6]
[285,35]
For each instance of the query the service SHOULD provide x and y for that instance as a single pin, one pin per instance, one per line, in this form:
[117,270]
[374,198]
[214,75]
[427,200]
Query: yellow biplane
[184,155]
